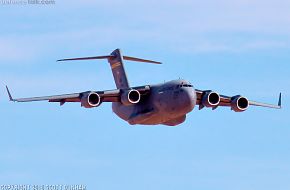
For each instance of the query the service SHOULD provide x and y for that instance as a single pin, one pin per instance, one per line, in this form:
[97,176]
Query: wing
[105,96]
[238,103]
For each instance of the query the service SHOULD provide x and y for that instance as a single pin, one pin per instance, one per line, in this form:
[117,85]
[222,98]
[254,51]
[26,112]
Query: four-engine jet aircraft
[166,103]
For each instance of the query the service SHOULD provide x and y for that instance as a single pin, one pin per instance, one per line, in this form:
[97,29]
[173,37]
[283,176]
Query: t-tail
[116,60]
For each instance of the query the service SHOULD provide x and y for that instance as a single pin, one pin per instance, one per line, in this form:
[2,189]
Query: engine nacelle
[91,100]
[239,104]
[210,99]
[130,97]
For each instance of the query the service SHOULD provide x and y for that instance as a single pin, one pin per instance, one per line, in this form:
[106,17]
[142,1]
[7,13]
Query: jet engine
[239,103]
[90,100]
[130,97]
[210,99]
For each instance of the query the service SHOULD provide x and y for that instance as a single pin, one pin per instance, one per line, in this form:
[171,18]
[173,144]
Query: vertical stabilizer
[118,70]
[117,65]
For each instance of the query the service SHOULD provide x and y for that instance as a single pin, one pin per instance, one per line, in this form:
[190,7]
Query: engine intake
[210,99]
[239,104]
[130,97]
[91,100]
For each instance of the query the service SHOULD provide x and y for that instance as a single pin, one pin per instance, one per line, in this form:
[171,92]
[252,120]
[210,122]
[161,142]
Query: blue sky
[237,47]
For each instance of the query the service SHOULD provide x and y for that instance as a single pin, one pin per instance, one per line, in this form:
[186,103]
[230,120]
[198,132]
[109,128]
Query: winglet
[280,100]
[9,94]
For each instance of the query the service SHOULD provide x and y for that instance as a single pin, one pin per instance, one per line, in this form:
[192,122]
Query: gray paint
[166,103]
[118,69]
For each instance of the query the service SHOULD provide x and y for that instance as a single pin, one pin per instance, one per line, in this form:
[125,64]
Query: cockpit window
[186,85]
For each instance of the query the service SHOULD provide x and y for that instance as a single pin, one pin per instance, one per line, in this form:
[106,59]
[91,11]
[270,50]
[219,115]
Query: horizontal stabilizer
[88,58]
[140,60]
[111,57]
[116,61]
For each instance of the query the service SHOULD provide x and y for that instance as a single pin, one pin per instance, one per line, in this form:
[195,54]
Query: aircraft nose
[189,99]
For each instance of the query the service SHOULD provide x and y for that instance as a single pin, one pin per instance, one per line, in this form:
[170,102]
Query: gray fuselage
[167,104]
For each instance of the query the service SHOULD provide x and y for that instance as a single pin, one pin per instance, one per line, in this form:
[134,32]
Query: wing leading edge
[114,96]
[278,106]
[231,101]
[106,96]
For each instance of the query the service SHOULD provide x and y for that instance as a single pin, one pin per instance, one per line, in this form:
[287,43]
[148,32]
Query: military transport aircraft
[166,103]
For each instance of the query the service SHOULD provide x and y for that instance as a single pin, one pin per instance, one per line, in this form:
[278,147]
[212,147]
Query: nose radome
[189,99]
